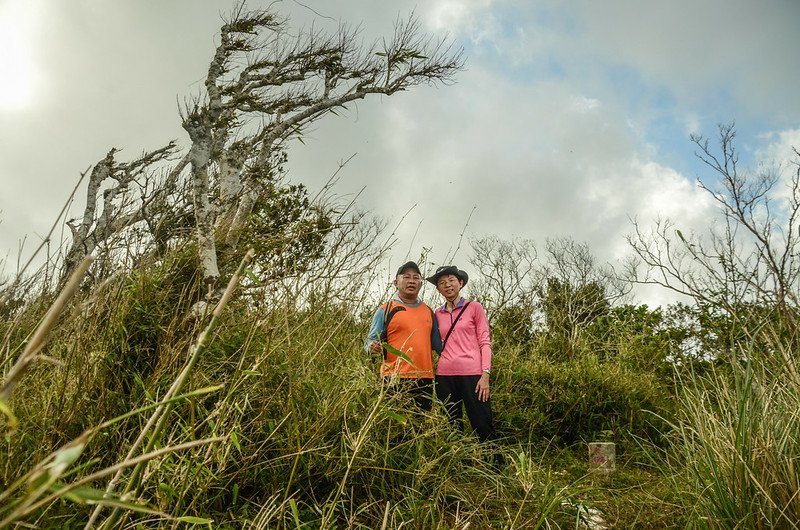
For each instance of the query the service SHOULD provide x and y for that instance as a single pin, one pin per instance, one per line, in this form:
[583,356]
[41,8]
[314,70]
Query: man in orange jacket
[406,323]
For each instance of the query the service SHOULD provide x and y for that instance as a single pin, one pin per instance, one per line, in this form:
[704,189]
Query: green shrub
[580,400]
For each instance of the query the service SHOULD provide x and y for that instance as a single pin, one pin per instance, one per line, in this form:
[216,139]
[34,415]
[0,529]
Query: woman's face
[449,286]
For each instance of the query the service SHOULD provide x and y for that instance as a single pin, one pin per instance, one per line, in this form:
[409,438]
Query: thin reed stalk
[738,440]
[39,337]
[30,506]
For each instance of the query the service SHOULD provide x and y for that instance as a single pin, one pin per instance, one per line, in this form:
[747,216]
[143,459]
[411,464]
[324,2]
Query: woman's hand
[482,388]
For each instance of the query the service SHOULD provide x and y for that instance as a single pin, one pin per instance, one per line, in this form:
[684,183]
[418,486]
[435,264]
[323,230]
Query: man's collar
[397,298]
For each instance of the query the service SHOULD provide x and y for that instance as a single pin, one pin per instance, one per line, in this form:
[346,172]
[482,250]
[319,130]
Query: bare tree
[573,262]
[506,272]
[575,290]
[264,86]
[750,257]
[561,290]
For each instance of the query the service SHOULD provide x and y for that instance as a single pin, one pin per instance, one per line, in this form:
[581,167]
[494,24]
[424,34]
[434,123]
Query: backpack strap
[449,331]
[388,313]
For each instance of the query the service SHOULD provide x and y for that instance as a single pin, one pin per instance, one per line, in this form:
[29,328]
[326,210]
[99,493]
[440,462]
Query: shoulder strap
[388,313]
[463,308]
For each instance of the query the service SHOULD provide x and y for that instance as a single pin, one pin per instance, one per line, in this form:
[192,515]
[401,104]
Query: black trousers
[455,391]
[421,389]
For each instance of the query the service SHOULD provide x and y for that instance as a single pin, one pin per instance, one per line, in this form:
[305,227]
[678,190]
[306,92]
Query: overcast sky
[570,118]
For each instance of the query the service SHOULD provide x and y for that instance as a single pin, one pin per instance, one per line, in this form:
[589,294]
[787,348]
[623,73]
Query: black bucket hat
[448,269]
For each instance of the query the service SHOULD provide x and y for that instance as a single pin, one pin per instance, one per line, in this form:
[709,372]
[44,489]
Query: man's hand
[482,388]
[375,348]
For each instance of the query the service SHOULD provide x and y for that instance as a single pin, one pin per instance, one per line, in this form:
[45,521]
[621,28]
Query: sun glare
[17,72]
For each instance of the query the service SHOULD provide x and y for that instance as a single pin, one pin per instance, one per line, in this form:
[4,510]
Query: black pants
[457,390]
[421,389]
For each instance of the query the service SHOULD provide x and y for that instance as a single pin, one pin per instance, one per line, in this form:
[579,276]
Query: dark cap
[448,269]
[408,265]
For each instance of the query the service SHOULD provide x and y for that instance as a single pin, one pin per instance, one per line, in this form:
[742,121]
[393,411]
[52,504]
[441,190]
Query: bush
[580,400]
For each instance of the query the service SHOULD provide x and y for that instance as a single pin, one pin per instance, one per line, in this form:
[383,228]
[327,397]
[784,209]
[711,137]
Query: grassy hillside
[280,421]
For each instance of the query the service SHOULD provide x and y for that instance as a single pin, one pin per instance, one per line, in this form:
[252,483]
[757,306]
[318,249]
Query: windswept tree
[264,86]
[120,196]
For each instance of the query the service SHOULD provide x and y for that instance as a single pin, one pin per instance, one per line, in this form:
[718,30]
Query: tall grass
[739,440]
[282,421]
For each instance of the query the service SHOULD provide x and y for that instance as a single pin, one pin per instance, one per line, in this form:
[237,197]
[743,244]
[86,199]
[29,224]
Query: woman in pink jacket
[462,374]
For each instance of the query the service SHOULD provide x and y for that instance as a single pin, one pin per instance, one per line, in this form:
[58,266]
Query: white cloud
[664,192]
[455,15]
[702,51]
[560,163]
[584,104]
[779,156]
[692,124]
[781,149]
[557,127]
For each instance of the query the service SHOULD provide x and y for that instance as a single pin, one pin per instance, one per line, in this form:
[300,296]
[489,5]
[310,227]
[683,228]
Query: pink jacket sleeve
[484,340]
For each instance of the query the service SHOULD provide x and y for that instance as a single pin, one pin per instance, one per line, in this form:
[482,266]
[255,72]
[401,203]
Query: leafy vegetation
[137,392]
[282,422]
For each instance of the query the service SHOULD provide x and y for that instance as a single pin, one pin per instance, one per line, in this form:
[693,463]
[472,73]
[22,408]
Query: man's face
[408,284]
[448,286]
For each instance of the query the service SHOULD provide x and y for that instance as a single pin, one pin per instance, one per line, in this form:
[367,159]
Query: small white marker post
[602,457]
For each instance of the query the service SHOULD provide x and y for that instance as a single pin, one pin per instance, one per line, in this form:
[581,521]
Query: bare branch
[749,256]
